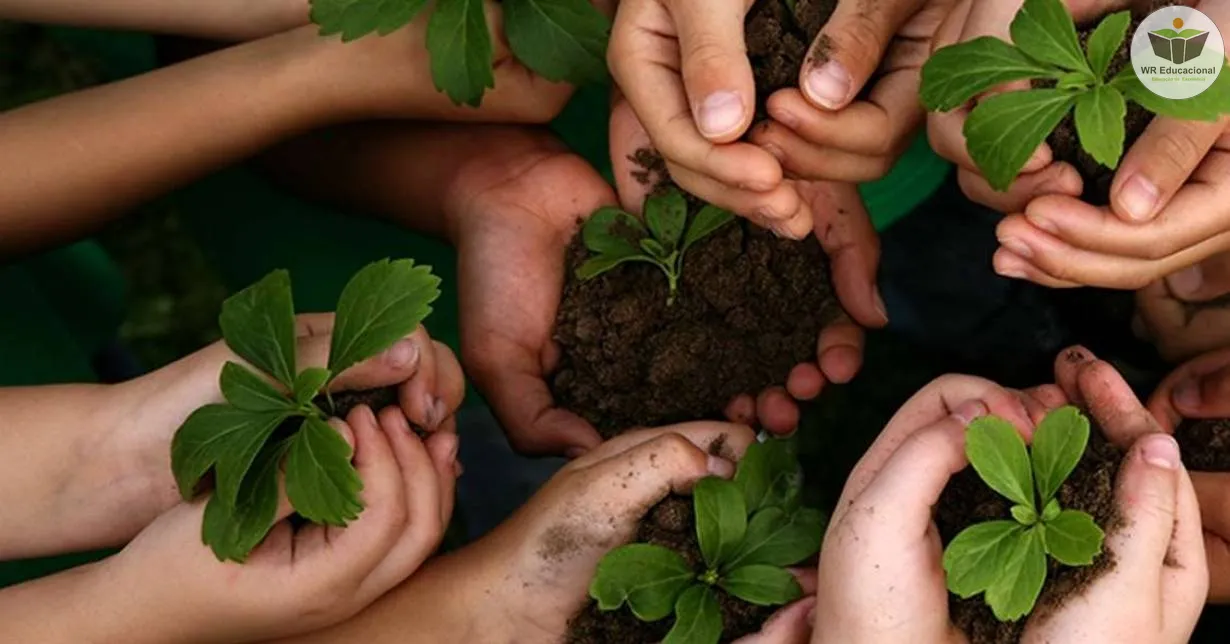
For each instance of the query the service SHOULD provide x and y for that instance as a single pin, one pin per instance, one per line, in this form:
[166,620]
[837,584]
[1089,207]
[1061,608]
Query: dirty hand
[1157,588]
[882,534]
[685,72]
[297,580]
[1187,313]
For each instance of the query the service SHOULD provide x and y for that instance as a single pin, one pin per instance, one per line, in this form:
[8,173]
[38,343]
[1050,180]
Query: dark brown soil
[778,42]
[670,524]
[1205,444]
[967,500]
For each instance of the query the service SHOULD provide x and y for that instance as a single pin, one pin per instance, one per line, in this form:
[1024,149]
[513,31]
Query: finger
[633,180]
[789,625]
[839,351]
[704,434]
[1202,282]
[1212,489]
[803,159]
[807,578]
[1013,266]
[806,380]
[741,410]
[1158,164]
[1113,405]
[1049,396]
[1068,366]
[779,209]
[1147,493]
[777,412]
[1185,571]
[849,48]
[1202,381]
[717,74]
[1050,179]
[847,236]
[646,473]
[419,397]
[946,132]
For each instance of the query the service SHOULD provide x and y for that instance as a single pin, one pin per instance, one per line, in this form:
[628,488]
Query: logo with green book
[1178,53]
[1178,46]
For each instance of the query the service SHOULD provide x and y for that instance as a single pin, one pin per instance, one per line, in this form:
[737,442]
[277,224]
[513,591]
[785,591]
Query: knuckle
[861,37]
[705,54]
[1179,151]
[681,452]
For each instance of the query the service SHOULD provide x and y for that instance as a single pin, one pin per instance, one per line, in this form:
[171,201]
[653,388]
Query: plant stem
[672,281]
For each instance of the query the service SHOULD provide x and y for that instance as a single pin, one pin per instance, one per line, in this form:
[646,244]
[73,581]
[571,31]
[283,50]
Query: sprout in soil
[615,237]
[1006,559]
[1003,131]
[748,529]
[240,439]
[560,40]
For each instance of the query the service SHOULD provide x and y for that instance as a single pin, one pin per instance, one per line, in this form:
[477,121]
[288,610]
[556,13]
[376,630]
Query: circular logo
[1178,52]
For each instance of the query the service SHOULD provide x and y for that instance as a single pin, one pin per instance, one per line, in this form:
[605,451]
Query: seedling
[1003,131]
[615,237]
[746,558]
[1006,559]
[560,40]
[245,441]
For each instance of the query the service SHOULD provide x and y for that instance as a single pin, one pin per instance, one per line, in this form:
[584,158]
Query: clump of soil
[778,42]
[967,500]
[671,524]
[1205,444]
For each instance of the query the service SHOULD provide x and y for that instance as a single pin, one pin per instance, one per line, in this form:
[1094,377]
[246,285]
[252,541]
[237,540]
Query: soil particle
[1205,445]
[778,43]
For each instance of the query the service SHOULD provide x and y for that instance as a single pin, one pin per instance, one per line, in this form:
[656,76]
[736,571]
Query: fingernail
[1018,247]
[777,153]
[1078,355]
[454,446]
[1139,198]
[721,113]
[829,84]
[429,412]
[1045,224]
[1187,281]
[575,452]
[719,466]
[878,301]
[1010,265]
[766,213]
[366,415]
[399,419]
[1186,396]
[402,354]
[787,118]
[438,412]
[967,411]
[1160,450]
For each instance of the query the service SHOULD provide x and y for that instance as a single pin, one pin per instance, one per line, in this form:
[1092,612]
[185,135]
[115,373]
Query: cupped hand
[297,580]
[1187,313]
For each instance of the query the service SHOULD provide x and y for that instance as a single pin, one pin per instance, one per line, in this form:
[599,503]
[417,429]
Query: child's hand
[1187,313]
[297,580]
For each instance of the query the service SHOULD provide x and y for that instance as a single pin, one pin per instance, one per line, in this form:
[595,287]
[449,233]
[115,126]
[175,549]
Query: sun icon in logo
[1178,23]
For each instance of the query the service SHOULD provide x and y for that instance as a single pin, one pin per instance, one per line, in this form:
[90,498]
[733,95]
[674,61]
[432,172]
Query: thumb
[849,49]
[717,74]
[1158,164]
[1147,494]
[1202,282]
[1205,395]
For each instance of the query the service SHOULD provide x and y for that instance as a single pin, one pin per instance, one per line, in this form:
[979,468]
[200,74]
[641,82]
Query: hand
[296,580]
[1187,313]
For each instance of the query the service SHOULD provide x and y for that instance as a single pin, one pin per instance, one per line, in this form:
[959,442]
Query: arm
[221,19]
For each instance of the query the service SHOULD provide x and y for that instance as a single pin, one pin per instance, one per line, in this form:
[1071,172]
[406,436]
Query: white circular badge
[1178,52]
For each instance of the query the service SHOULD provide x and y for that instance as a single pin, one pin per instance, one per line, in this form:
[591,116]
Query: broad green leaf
[217,434]
[654,248]
[322,484]
[234,530]
[776,538]
[560,40]
[1059,443]
[602,232]
[1051,510]
[666,216]
[249,392]
[1073,538]
[595,266]
[766,472]
[974,558]
[1005,130]
[461,54]
[309,382]
[356,18]
[648,577]
[709,220]
[1074,81]
[1099,122]
[721,519]
[1044,30]
[955,75]
[1013,594]
[698,618]
[1208,106]
[1106,40]
[1024,514]
[383,303]
[762,585]
[259,325]
[997,452]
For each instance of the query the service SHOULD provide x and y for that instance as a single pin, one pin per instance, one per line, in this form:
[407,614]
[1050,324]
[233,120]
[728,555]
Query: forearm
[219,19]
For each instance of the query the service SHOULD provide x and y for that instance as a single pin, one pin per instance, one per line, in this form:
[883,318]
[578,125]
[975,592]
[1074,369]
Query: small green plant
[560,40]
[241,440]
[748,529]
[615,237]
[1006,559]
[1003,131]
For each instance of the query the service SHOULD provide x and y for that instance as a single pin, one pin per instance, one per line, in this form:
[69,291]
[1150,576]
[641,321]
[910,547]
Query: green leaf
[309,382]
[955,75]
[721,519]
[1106,40]
[1044,30]
[997,452]
[1024,515]
[974,558]
[1013,594]
[776,538]
[560,40]
[1207,106]
[654,248]
[383,303]
[762,585]
[259,325]
[356,18]
[322,484]
[698,618]
[766,472]
[1073,538]
[666,215]
[1099,122]
[1051,510]
[649,578]
[604,232]
[461,53]
[234,530]
[1004,130]
[595,266]
[709,220]
[1074,81]
[249,392]
[219,435]
[1059,443]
